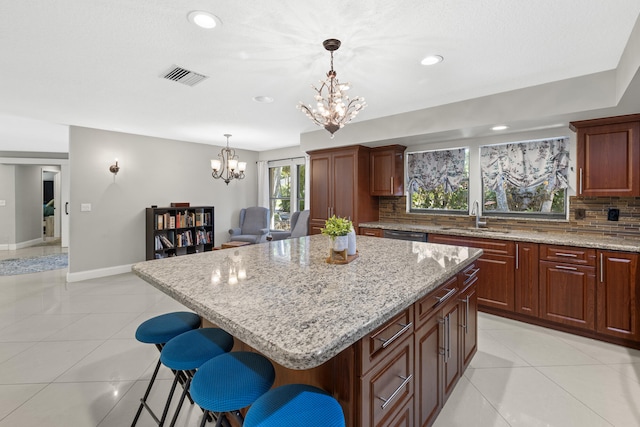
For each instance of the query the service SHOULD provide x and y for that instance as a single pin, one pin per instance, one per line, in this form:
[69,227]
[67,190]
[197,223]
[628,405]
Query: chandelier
[334,109]
[227,166]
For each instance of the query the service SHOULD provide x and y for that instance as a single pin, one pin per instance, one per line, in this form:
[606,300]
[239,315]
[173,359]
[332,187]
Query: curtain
[430,169]
[263,184]
[526,164]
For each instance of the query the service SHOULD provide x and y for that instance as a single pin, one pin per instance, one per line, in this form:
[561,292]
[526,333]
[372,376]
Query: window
[439,180]
[286,192]
[525,178]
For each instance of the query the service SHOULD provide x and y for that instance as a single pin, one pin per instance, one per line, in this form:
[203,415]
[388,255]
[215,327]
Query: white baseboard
[21,245]
[97,273]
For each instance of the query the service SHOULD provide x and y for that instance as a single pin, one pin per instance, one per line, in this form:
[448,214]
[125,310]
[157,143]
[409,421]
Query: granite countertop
[284,300]
[564,239]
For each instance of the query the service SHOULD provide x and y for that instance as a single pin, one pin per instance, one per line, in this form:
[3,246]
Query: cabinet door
[343,183]
[526,289]
[567,294]
[617,307]
[387,171]
[320,196]
[451,336]
[496,281]
[428,399]
[609,160]
[469,324]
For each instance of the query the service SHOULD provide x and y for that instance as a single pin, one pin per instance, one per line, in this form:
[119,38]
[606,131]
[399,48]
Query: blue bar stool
[158,331]
[295,405]
[230,382]
[187,352]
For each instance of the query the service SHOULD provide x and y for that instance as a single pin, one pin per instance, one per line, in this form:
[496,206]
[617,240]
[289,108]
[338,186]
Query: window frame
[436,211]
[526,214]
[294,199]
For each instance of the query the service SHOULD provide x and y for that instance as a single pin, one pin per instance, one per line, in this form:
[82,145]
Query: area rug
[14,266]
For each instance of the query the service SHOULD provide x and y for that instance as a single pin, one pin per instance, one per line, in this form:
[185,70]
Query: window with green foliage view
[525,178]
[438,180]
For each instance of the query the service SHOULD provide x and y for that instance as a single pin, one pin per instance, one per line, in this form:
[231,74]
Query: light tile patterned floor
[68,358]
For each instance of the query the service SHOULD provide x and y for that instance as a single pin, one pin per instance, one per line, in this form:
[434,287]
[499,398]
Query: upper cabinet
[387,171]
[608,156]
[340,186]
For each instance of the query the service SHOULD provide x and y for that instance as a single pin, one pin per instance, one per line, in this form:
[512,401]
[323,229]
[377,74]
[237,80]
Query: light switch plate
[85,207]
[3,203]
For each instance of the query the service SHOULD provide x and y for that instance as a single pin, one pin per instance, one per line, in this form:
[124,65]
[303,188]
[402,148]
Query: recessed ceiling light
[432,60]
[500,127]
[203,19]
[263,99]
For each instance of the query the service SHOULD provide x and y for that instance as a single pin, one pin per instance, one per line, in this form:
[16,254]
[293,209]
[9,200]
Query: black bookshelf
[176,231]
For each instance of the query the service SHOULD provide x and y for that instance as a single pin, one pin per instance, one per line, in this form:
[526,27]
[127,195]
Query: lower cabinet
[567,294]
[617,295]
[469,314]
[409,367]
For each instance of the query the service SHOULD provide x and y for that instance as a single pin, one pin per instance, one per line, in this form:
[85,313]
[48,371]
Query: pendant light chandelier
[227,166]
[334,109]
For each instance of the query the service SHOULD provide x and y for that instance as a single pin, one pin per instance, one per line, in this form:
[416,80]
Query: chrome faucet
[476,211]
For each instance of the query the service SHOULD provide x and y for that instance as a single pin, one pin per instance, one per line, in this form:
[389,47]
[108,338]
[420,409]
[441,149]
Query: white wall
[8,211]
[153,171]
[28,203]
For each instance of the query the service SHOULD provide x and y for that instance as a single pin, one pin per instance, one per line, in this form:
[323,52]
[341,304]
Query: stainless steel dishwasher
[414,236]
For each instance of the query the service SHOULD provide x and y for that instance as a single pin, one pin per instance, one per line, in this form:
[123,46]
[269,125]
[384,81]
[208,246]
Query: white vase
[351,250]
[340,243]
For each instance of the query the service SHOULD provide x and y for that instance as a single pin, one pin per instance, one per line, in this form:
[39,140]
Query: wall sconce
[114,169]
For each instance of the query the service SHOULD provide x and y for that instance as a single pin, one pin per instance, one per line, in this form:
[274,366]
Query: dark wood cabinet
[496,286]
[340,186]
[526,290]
[174,231]
[617,295]
[373,232]
[568,286]
[469,315]
[438,356]
[608,156]
[387,171]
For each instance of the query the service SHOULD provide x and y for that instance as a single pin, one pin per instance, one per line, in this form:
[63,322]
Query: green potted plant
[337,229]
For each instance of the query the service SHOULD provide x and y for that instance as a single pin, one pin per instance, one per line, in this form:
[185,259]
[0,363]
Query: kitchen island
[285,301]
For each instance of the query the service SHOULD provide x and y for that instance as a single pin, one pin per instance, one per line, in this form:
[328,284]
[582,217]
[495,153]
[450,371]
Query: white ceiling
[97,63]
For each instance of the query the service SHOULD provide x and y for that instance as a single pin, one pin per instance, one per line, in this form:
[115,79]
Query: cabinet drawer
[375,346]
[374,232]
[568,254]
[387,388]
[490,246]
[469,275]
[435,300]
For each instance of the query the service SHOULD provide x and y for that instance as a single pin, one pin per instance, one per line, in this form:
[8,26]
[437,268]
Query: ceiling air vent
[181,75]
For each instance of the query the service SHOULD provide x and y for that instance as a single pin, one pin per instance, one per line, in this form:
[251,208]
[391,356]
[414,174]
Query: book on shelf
[159,225]
[166,242]
[172,221]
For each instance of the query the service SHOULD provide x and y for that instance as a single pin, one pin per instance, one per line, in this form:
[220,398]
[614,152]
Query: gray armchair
[254,226]
[299,227]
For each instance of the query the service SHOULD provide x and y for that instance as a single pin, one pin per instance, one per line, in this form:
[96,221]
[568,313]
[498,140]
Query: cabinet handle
[448,321]
[580,192]
[391,185]
[566,255]
[328,212]
[517,257]
[405,328]
[562,267]
[601,268]
[466,314]
[440,300]
[471,275]
[66,208]
[405,381]
[369,233]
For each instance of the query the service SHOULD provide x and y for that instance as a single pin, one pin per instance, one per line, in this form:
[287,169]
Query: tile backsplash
[593,210]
